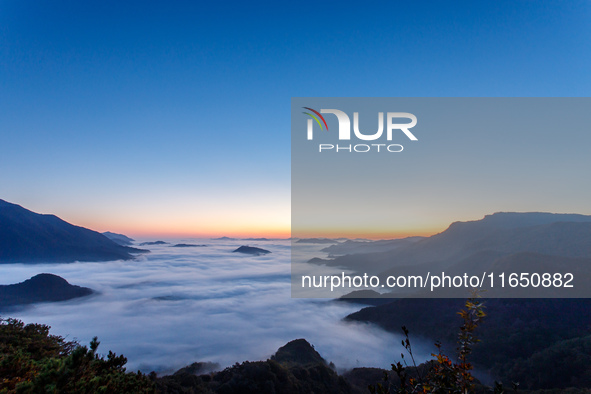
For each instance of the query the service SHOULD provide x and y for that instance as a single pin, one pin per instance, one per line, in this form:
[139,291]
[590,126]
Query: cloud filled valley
[176,306]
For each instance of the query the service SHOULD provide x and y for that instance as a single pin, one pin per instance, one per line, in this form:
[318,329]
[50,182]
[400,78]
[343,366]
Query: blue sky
[174,117]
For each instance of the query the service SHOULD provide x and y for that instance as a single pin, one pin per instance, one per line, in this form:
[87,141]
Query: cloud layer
[177,306]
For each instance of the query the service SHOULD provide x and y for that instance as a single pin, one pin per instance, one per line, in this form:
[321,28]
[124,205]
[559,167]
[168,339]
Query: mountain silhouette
[295,368]
[497,235]
[357,247]
[40,288]
[251,250]
[28,237]
[298,352]
[119,238]
[153,243]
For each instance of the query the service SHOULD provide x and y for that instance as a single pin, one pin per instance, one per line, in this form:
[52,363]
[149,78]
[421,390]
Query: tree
[440,375]
[34,361]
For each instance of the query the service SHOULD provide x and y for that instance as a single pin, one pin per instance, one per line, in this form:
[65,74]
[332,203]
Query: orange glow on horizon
[260,231]
[267,226]
[179,232]
[190,225]
[278,234]
[265,219]
[373,235]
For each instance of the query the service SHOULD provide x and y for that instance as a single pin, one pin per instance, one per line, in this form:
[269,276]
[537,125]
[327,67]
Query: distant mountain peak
[119,238]
[532,218]
[47,280]
[251,250]
[298,351]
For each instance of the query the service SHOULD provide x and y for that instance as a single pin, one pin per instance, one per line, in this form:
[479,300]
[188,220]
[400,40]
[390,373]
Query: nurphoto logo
[344,130]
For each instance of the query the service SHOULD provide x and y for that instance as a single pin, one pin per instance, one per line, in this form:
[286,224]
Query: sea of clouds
[175,306]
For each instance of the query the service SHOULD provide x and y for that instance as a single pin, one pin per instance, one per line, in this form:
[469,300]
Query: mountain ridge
[506,233]
[29,237]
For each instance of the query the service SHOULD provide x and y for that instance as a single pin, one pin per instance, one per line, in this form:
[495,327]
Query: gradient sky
[173,118]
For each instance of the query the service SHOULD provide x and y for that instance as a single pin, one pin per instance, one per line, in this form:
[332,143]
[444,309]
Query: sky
[173,118]
[474,156]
